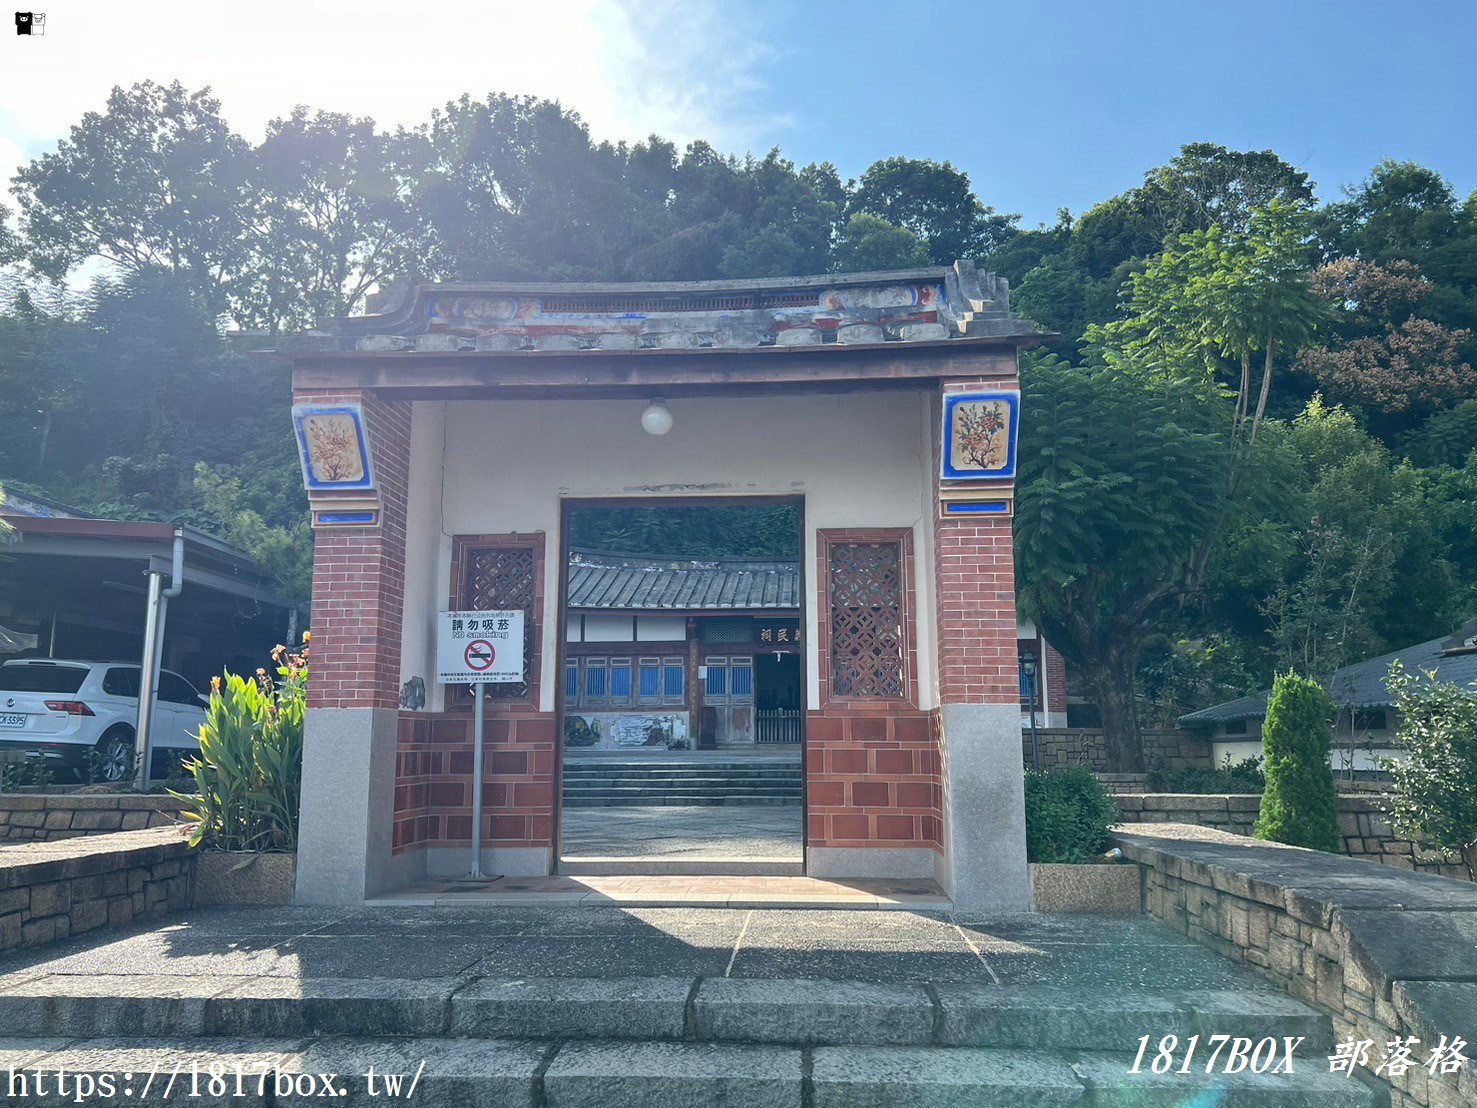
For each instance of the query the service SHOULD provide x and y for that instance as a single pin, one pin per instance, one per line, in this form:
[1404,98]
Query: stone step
[681,774]
[694,782]
[650,800]
[680,801]
[683,782]
[798,1012]
[675,789]
[682,866]
[683,771]
[599,1074]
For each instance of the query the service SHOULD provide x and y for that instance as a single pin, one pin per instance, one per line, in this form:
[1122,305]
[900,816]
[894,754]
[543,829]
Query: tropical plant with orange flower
[248,775]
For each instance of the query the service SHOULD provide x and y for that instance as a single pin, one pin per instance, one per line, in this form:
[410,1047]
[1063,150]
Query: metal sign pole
[477,782]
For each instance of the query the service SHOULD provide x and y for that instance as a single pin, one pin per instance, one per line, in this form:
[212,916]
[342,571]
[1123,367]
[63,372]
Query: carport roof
[209,562]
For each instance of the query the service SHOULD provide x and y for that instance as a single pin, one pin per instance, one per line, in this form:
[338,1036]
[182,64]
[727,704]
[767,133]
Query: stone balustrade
[53,890]
[1364,828]
[45,817]
[1387,953]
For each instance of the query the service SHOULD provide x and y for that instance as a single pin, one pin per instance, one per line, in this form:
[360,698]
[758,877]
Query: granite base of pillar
[983,868]
[348,797]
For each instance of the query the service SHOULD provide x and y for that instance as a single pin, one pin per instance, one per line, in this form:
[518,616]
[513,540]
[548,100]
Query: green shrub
[1240,777]
[1068,814]
[1300,805]
[1434,787]
[248,775]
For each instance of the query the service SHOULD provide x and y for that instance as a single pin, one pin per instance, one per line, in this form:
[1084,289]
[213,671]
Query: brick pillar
[979,699]
[344,850]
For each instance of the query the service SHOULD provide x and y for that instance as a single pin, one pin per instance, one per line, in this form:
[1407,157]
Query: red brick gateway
[453,425]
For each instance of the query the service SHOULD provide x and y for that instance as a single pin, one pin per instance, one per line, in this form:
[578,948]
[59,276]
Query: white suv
[60,710]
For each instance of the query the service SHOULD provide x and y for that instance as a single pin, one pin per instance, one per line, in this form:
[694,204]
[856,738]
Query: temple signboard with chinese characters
[769,636]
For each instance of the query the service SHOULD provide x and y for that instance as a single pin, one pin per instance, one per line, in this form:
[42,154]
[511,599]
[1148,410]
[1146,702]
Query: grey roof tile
[637,583]
[1362,685]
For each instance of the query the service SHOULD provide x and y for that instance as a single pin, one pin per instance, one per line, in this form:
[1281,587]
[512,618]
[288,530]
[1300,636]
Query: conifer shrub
[1300,804]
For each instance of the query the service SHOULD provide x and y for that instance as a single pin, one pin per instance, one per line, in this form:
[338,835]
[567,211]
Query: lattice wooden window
[868,660]
[500,578]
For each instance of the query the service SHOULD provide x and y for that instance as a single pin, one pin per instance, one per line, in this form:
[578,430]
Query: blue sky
[1044,104]
[1053,104]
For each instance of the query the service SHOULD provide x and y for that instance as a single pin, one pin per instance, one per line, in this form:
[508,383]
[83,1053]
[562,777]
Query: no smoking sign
[473,647]
[480,655]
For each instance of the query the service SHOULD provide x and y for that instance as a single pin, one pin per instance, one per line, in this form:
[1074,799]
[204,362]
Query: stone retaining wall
[1386,953]
[1079,746]
[1365,828]
[55,890]
[45,817]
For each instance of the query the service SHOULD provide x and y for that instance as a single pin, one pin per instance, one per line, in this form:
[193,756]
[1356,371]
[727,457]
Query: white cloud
[629,67]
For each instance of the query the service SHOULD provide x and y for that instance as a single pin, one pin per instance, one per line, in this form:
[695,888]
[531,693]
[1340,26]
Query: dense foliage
[1434,783]
[1245,776]
[1300,804]
[1249,447]
[1068,814]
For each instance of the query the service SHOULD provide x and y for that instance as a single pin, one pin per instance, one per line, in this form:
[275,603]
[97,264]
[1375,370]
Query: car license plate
[14,719]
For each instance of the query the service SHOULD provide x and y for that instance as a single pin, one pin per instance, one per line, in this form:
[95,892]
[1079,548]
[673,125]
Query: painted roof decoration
[621,582]
[937,304]
[1362,685]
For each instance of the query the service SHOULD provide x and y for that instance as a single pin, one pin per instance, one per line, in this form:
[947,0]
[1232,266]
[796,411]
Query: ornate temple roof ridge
[932,304]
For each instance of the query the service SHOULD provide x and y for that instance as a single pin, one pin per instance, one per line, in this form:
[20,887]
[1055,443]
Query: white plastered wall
[860,459]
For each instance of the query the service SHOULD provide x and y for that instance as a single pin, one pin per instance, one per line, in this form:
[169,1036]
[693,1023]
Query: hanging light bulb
[657,418]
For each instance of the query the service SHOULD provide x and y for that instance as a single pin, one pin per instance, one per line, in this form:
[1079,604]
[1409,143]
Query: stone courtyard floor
[594,1007]
[220,947]
[679,833]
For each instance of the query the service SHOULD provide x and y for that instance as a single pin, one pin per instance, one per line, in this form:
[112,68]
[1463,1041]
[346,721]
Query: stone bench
[52,890]
[1386,952]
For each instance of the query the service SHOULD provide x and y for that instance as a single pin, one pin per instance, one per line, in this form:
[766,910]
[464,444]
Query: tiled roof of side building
[618,582]
[932,305]
[1362,685]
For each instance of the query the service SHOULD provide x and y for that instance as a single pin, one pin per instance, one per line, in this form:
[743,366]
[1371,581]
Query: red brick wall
[1056,680]
[975,594]
[433,779]
[359,573]
[872,779]
[872,767]
[433,765]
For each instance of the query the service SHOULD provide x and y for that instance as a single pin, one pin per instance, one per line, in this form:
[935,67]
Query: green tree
[42,367]
[285,552]
[156,181]
[333,220]
[1122,482]
[1408,212]
[934,201]
[1300,804]
[1206,185]
[869,243]
[1224,298]
[1434,787]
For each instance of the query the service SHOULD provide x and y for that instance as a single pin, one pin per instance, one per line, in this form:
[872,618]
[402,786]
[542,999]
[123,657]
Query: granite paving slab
[367,1006]
[673,1075]
[812,1012]
[657,955]
[614,1007]
[932,1077]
